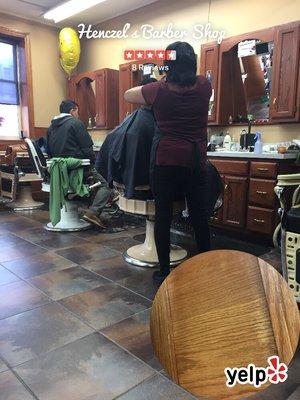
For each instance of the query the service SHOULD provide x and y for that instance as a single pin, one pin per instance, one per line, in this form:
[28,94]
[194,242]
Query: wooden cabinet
[232,93]
[285,95]
[233,212]
[260,169]
[209,68]
[232,167]
[128,77]
[261,220]
[107,98]
[249,201]
[131,75]
[96,93]
[235,198]
[261,192]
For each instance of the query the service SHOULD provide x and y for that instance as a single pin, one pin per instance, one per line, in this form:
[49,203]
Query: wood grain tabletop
[222,309]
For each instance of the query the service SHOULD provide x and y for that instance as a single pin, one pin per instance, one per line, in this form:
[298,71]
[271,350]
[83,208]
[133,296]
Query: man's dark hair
[182,71]
[67,105]
[147,80]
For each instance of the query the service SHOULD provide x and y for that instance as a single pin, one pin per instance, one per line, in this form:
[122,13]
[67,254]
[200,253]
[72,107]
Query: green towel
[65,174]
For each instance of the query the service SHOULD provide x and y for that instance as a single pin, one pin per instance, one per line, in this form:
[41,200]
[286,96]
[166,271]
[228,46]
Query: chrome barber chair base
[24,200]
[145,254]
[81,226]
[70,221]
[177,255]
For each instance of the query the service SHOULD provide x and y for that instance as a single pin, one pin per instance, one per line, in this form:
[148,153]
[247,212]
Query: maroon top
[181,116]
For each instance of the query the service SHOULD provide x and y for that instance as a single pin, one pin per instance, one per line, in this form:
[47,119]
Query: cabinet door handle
[259,221]
[275,100]
[263,169]
[260,192]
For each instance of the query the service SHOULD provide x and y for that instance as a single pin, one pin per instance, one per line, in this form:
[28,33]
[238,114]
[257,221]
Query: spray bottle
[258,147]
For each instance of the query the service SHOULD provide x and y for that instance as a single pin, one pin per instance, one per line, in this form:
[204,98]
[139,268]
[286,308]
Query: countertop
[241,154]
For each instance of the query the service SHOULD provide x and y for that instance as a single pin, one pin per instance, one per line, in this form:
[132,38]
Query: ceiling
[34,10]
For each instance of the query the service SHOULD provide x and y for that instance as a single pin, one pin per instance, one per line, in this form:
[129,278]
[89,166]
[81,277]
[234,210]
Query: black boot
[160,276]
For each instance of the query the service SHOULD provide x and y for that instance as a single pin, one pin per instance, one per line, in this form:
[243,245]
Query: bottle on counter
[258,146]
[227,142]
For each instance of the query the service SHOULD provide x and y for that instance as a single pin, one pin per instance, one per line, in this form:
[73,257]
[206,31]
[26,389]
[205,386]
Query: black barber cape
[67,137]
[124,156]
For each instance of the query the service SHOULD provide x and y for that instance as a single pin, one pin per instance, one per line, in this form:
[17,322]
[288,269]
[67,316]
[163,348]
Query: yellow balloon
[69,48]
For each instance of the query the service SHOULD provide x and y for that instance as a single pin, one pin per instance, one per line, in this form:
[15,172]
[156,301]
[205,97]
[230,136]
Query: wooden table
[222,309]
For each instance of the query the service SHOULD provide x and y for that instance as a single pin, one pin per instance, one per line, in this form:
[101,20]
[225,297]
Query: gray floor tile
[92,368]
[27,335]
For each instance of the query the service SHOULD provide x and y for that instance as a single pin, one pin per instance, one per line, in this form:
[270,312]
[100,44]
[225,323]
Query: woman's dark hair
[182,71]
[67,105]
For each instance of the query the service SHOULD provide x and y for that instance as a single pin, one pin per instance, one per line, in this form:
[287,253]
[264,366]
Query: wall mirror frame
[221,65]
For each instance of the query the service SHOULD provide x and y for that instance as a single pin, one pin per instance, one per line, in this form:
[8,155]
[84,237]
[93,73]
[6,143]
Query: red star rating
[129,55]
[160,54]
[139,54]
[149,55]
[171,55]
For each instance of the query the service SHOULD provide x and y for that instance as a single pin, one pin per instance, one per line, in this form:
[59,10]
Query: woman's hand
[135,96]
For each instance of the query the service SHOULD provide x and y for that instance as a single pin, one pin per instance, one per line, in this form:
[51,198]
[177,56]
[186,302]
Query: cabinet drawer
[261,192]
[263,169]
[231,167]
[260,220]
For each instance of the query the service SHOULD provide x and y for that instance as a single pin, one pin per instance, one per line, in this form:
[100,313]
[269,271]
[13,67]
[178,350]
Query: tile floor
[74,318]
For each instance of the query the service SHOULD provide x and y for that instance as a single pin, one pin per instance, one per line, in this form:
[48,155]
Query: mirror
[255,61]
[151,70]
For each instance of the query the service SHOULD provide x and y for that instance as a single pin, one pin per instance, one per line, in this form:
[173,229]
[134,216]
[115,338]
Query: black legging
[167,182]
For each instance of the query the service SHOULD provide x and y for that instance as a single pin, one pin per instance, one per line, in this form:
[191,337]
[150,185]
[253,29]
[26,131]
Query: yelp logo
[275,372]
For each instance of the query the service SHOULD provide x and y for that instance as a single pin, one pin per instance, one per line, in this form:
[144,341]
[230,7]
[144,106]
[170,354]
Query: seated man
[68,137]
[124,156]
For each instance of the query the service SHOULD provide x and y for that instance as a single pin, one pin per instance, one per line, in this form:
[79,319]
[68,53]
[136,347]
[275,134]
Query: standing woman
[180,106]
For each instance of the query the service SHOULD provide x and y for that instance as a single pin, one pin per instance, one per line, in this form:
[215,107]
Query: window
[9,90]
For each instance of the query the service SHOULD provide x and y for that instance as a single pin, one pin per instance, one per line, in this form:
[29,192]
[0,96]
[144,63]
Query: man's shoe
[159,276]
[92,217]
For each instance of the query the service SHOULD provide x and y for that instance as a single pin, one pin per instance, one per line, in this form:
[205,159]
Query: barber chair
[8,183]
[17,162]
[145,254]
[288,193]
[70,219]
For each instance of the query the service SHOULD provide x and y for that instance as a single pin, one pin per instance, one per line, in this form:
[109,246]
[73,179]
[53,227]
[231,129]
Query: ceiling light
[70,8]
